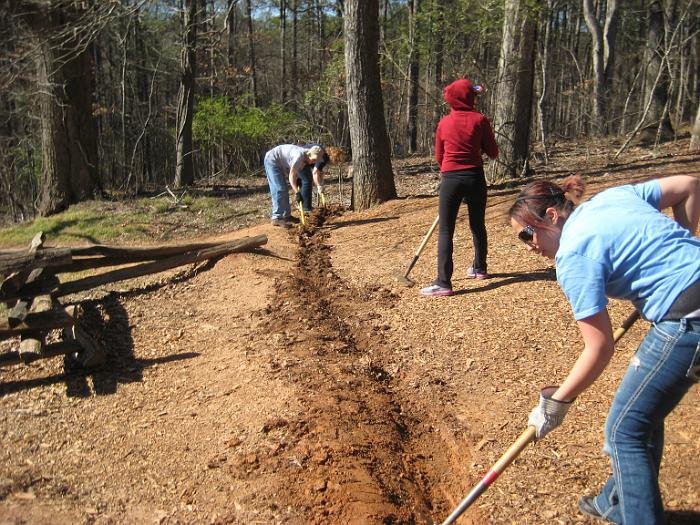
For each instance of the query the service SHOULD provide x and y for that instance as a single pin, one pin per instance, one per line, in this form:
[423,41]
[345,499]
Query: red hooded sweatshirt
[464,134]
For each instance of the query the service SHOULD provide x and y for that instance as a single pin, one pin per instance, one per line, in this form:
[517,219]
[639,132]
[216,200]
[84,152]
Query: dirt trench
[368,451]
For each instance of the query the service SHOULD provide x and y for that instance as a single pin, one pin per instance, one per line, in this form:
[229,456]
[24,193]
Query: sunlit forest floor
[307,384]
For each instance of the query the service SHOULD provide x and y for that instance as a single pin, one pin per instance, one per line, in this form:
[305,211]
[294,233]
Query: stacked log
[30,289]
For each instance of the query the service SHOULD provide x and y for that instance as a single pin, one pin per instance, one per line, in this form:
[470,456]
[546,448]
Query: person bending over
[619,244]
[286,160]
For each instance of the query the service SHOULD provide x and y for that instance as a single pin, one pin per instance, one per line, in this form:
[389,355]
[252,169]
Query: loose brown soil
[305,384]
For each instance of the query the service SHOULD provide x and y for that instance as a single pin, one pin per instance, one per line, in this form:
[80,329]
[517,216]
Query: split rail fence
[31,289]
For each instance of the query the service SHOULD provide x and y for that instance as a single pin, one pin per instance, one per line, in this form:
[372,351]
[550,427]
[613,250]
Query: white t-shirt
[287,157]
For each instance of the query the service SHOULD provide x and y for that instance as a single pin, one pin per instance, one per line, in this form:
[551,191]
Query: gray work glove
[548,414]
[319,189]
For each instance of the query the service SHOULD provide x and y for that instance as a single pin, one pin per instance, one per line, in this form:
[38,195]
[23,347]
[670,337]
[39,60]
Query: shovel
[517,447]
[404,278]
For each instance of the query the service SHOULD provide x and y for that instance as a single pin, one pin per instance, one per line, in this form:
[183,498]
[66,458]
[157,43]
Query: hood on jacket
[461,94]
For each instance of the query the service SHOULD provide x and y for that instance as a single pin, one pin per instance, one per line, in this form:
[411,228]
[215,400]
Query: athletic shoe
[475,274]
[587,507]
[282,223]
[435,290]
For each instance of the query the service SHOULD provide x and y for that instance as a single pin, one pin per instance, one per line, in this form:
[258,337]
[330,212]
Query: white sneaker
[435,290]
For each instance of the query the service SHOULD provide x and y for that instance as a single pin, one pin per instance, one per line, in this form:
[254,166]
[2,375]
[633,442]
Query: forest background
[119,98]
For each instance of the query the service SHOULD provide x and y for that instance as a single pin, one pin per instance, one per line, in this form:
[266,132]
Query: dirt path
[307,385]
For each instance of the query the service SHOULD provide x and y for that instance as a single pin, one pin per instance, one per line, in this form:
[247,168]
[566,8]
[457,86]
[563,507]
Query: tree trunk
[295,52]
[384,19]
[210,28]
[439,55]
[542,101]
[602,50]
[145,99]
[513,114]
[230,27]
[321,34]
[283,50]
[413,75]
[184,167]
[251,53]
[658,119]
[66,84]
[695,136]
[373,179]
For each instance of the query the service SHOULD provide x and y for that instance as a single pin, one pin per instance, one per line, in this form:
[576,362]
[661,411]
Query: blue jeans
[665,366]
[279,193]
[306,179]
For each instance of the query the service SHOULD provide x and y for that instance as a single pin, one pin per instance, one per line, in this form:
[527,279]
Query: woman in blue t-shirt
[619,244]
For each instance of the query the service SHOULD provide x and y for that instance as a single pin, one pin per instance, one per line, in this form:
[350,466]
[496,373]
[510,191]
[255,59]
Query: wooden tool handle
[427,236]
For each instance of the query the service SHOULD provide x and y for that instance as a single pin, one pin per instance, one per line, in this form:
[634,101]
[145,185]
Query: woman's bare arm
[597,352]
[682,194]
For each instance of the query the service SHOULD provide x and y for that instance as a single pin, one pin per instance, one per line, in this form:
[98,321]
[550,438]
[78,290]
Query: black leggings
[455,187]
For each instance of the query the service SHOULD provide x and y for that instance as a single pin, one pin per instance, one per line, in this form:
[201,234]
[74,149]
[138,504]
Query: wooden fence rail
[30,288]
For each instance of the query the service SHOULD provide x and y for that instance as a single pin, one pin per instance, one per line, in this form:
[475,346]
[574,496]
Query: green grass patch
[124,222]
[94,221]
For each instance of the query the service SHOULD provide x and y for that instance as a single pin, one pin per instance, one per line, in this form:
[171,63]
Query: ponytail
[532,202]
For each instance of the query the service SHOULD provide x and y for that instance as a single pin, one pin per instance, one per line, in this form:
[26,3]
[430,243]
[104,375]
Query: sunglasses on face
[526,234]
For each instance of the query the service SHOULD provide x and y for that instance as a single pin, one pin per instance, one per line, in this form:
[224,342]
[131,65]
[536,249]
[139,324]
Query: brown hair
[532,202]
